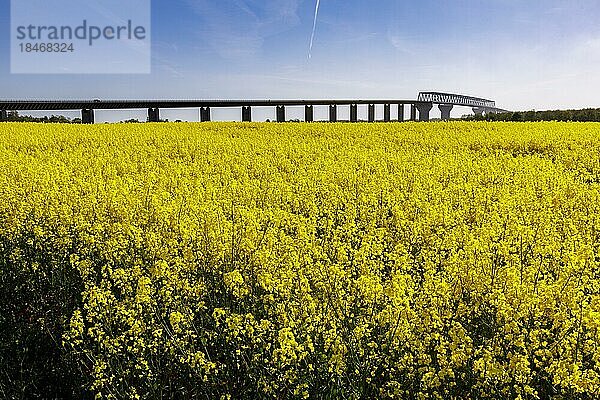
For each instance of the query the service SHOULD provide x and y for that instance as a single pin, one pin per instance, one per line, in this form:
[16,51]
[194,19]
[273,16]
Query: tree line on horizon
[581,115]
[14,116]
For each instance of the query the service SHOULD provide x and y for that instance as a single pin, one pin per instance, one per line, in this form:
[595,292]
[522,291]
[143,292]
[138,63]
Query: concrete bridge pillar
[400,112]
[333,113]
[371,112]
[3,115]
[246,114]
[478,110]
[204,114]
[308,114]
[424,109]
[87,116]
[153,115]
[445,110]
[280,111]
[353,112]
[386,113]
[413,112]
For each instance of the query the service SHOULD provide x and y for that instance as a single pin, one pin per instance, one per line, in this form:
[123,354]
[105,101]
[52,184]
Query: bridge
[423,105]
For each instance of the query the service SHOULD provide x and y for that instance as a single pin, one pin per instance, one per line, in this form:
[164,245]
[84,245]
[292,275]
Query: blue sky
[534,54]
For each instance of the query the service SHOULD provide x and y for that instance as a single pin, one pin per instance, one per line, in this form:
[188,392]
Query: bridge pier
[387,113]
[333,113]
[371,116]
[204,114]
[445,109]
[413,112]
[308,114]
[353,112]
[87,116]
[424,109]
[3,115]
[153,115]
[246,114]
[280,111]
[478,110]
[400,112]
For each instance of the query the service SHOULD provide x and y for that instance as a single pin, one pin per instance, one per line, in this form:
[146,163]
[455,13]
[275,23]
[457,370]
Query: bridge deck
[52,105]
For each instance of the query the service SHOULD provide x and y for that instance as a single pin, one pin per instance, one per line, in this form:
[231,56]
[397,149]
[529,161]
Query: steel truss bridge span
[455,99]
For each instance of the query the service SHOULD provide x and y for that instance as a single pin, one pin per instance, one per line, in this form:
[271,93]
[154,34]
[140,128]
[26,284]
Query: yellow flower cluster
[224,260]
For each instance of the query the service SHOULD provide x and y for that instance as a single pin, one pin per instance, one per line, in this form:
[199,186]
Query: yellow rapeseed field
[227,260]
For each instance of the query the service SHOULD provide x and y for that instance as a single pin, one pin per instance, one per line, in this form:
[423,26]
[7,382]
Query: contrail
[314,29]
